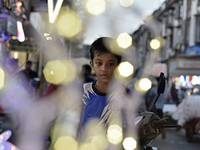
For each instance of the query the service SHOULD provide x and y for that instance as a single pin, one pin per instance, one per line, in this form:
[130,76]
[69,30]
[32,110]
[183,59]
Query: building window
[179,10]
[188,8]
[198,28]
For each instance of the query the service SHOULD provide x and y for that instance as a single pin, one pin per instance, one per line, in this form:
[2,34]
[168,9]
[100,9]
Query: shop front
[184,71]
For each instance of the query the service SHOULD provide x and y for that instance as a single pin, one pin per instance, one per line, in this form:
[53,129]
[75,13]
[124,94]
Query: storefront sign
[188,64]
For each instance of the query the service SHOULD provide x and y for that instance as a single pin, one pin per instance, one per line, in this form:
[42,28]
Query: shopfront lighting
[95,7]
[15,55]
[2,78]
[20,32]
[129,143]
[124,40]
[53,14]
[126,3]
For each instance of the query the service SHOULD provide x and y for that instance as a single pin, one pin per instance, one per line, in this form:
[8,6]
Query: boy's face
[104,65]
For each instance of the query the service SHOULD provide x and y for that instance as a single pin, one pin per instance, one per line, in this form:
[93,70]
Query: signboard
[158,68]
[181,63]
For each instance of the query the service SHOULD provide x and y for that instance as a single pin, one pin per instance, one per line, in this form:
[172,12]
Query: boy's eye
[111,64]
[98,63]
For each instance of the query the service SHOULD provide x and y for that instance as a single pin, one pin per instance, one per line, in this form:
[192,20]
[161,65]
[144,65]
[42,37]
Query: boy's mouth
[104,76]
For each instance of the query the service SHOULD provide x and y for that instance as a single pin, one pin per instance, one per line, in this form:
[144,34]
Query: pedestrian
[174,94]
[86,73]
[99,99]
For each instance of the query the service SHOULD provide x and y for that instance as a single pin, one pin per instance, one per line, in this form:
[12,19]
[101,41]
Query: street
[176,140]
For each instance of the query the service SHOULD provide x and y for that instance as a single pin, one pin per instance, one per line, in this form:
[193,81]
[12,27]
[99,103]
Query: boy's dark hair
[87,67]
[101,46]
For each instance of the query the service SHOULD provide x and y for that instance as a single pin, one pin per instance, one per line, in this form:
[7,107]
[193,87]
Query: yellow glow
[125,69]
[156,43]
[14,37]
[15,55]
[88,146]
[114,134]
[54,14]
[126,3]
[129,143]
[124,40]
[59,72]
[143,85]
[2,78]
[100,141]
[69,24]
[95,7]
[46,34]
[195,90]
[66,143]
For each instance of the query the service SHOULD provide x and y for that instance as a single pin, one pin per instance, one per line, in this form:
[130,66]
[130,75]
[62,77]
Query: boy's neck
[102,87]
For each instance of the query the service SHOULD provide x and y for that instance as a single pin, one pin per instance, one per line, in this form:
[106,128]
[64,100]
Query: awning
[193,50]
[184,65]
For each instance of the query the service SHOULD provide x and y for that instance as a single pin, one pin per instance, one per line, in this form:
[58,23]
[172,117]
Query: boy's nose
[104,67]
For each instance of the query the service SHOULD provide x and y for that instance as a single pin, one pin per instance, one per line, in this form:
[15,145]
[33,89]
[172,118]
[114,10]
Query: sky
[118,19]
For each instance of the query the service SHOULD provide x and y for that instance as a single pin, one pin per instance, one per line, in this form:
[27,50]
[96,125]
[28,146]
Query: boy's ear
[91,63]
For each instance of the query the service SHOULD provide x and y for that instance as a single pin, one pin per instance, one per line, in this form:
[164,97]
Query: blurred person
[181,94]
[30,74]
[174,94]
[86,73]
[100,97]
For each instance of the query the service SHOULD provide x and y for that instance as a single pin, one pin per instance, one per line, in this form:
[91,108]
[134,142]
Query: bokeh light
[125,69]
[129,143]
[68,23]
[88,146]
[156,43]
[66,143]
[95,7]
[126,3]
[2,78]
[114,134]
[100,141]
[143,85]
[59,71]
[124,40]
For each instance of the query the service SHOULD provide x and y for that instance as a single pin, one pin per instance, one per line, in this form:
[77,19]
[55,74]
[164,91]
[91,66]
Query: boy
[99,101]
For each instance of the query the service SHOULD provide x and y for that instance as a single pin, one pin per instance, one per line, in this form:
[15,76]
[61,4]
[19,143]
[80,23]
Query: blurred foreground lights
[2,78]
[143,85]
[66,143]
[156,43]
[100,141]
[129,143]
[68,23]
[88,146]
[95,7]
[125,69]
[114,134]
[126,3]
[124,40]
[60,71]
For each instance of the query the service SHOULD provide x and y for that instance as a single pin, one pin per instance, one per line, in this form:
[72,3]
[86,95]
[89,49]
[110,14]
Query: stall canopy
[193,50]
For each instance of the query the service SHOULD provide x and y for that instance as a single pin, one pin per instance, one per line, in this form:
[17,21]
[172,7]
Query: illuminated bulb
[156,43]
[69,24]
[66,143]
[129,143]
[46,34]
[15,55]
[114,134]
[145,84]
[125,69]
[126,3]
[95,7]
[20,32]
[2,78]
[52,72]
[124,40]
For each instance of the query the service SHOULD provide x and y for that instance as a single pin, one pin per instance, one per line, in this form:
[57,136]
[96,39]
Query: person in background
[174,94]
[86,73]
[30,74]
